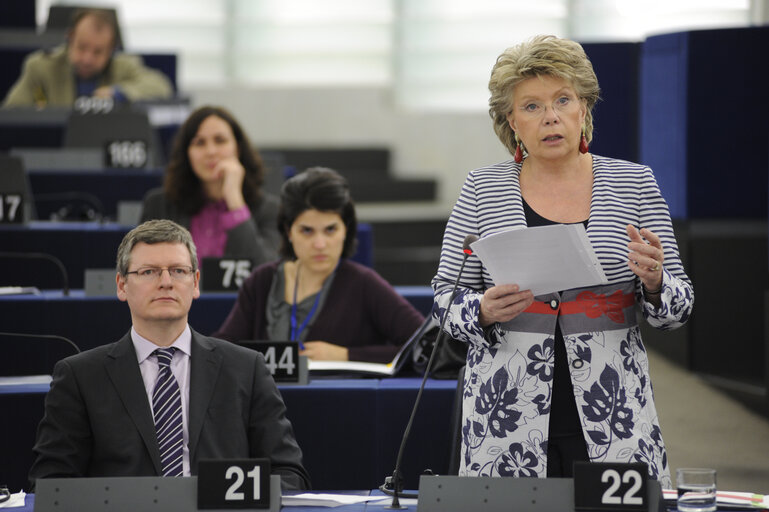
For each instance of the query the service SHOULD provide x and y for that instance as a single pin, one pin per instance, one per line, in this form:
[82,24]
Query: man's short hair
[103,17]
[154,232]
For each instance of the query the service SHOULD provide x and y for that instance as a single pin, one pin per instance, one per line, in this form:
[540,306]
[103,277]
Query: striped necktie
[167,412]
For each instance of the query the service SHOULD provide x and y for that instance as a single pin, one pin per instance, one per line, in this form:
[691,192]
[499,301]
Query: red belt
[593,305]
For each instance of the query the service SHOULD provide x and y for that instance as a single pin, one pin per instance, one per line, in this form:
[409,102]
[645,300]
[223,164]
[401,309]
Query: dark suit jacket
[47,76]
[98,420]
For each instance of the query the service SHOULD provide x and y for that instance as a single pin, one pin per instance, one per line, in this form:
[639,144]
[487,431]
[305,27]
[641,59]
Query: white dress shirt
[180,367]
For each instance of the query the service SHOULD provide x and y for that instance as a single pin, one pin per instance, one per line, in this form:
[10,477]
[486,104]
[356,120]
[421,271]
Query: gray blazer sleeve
[137,81]
[21,93]
[256,238]
[155,206]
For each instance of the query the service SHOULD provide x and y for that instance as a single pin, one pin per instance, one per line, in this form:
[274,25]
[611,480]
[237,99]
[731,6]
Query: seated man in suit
[163,397]
[86,66]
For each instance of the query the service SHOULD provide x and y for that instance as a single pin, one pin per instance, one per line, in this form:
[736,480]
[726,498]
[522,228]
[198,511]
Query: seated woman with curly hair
[213,188]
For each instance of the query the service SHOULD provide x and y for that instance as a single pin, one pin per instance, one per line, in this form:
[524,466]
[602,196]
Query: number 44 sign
[234,483]
[280,357]
[618,487]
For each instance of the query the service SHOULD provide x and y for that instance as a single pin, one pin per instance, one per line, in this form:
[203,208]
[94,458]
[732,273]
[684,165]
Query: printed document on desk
[543,259]
[384,369]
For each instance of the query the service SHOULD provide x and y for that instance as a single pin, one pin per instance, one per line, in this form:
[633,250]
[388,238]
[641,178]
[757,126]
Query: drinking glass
[696,489]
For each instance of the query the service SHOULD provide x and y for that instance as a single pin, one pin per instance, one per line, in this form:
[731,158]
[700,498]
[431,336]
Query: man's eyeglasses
[154,273]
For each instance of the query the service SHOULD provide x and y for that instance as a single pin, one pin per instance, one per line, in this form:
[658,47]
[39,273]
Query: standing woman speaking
[548,385]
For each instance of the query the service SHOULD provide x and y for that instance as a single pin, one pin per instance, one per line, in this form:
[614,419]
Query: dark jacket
[98,419]
[361,312]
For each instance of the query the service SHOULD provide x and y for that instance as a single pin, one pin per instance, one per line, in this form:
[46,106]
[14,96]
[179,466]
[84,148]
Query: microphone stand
[396,478]
[43,256]
[42,336]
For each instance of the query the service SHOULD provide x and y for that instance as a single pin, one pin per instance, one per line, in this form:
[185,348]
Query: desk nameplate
[487,494]
[127,494]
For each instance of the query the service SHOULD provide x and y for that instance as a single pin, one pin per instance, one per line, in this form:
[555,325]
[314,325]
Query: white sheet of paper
[312,499]
[16,500]
[543,259]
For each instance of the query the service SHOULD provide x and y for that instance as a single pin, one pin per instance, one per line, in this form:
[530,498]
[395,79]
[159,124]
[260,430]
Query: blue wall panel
[663,116]
[703,121]
[615,116]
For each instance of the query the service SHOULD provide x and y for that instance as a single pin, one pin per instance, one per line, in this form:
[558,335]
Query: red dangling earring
[583,147]
[518,156]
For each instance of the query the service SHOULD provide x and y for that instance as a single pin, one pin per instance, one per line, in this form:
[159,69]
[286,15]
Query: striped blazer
[508,382]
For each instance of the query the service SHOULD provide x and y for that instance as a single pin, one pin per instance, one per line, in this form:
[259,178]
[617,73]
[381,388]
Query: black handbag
[450,358]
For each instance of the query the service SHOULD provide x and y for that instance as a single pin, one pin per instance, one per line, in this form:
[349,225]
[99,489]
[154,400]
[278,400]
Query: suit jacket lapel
[123,369]
[205,364]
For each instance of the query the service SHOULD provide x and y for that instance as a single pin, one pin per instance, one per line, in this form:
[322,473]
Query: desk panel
[18,427]
[109,186]
[29,506]
[79,245]
[335,424]
[94,321]
[429,443]
[349,429]
[83,245]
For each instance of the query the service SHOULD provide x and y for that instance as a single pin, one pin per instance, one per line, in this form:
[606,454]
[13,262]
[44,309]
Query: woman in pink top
[213,187]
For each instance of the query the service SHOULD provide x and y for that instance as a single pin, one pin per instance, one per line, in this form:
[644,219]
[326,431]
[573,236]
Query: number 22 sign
[610,486]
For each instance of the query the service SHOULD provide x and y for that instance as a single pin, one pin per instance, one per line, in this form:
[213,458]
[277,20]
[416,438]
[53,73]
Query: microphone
[91,206]
[395,479]
[469,239]
[32,358]
[42,336]
[43,256]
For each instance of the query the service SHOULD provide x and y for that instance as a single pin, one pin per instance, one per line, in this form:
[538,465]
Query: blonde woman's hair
[540,56]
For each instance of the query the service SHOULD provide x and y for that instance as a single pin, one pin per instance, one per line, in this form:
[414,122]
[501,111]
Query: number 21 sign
[234,483]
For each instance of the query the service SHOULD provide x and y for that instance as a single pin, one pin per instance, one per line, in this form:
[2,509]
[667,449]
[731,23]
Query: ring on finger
[656,266]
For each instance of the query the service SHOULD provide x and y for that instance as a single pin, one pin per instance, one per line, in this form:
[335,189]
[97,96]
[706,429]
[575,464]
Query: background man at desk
[86,66]
[164,396]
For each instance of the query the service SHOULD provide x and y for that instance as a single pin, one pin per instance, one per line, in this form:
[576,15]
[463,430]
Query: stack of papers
[730,500]
[385,369]
[19,290]
[543,259]
[311,499]
[15,501]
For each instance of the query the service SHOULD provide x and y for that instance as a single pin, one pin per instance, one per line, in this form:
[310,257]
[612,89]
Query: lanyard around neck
[294,332]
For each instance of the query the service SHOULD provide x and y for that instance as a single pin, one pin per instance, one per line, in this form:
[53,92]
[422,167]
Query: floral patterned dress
[508,381]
